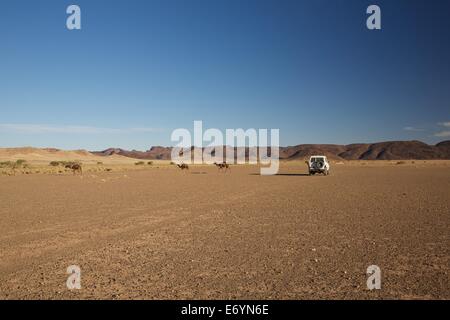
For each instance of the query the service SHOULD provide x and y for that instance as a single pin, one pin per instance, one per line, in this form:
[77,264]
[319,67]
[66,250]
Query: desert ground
[156,232]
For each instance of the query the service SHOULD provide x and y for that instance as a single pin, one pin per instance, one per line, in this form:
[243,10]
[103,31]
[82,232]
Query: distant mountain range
[392,150]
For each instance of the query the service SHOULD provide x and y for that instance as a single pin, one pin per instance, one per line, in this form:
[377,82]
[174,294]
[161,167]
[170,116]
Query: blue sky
[139,69]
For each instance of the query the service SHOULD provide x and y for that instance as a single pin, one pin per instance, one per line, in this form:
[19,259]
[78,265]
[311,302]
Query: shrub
[401,162]
[20,162]
[140,163]
[99,163]
[64,163]
[150,163]
[13,165]
[6,164]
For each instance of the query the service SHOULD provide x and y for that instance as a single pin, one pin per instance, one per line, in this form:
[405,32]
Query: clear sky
[139,69]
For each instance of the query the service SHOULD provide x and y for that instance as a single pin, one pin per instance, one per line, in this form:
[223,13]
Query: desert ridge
[389,150]
[46,155]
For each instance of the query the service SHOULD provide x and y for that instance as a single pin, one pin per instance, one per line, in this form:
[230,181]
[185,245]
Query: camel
[183,166]
[75,168]
[223,165]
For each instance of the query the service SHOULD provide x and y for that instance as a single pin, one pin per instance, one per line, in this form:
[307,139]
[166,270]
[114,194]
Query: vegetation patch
[63,163]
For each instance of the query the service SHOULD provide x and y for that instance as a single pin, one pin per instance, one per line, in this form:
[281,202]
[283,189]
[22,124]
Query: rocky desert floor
[162,233]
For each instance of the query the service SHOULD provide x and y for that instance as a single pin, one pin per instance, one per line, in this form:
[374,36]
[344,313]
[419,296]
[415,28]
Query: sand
[160,233]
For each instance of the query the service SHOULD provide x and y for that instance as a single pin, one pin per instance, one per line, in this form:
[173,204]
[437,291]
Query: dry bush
[63,163]
[14,164]
[20,162]
[6,164]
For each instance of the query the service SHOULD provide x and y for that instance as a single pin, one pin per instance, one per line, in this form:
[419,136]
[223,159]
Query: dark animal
[222,166]
[183,166]
[75,168]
